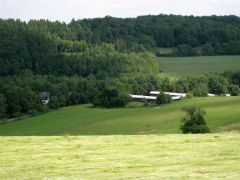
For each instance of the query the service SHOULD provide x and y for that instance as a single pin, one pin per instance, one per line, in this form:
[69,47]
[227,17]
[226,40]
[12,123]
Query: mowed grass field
[211,156]
[223,114]
[192,65]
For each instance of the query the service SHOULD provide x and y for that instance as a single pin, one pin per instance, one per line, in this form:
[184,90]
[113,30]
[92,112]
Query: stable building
[175,96]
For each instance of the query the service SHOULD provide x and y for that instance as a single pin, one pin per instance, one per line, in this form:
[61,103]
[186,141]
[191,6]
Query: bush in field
[217,84]
[201,90]
[189,95]
[194,121]
[111,98]
[163,98]
[234,90]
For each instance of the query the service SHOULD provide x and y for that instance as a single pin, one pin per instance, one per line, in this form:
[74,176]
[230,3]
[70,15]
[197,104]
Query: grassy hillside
[222,115]
[187,65]
[212,156]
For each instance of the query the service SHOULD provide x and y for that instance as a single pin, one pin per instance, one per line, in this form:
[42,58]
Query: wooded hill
[28,45]
[78,61]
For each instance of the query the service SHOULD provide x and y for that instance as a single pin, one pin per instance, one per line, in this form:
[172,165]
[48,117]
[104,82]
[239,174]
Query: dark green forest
[83,60]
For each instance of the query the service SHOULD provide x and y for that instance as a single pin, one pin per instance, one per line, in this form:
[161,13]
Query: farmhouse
[45,97]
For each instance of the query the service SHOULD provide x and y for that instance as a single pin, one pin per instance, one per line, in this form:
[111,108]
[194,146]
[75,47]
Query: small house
[45,97]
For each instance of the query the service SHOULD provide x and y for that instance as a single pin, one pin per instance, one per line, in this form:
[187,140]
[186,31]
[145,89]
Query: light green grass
[85,120]
[212,156]
[191,65]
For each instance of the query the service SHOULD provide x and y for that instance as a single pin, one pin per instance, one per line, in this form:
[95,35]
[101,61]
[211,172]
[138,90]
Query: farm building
[153,96]
[144,98]
[174,95]
[211,95]
[45,97]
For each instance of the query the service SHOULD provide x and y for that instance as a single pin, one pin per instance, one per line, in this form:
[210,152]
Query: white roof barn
[174,95]
[154,92]
[153,96]
[211,95]
[143,97]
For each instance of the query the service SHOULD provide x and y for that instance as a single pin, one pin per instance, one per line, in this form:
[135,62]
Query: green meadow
[193,65]
[222,115]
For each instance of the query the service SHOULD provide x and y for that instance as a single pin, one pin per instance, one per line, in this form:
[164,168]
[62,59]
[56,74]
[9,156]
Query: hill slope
[188,65]
[222,115]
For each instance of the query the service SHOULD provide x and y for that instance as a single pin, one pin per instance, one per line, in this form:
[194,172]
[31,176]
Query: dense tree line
[20,94]
[201,85]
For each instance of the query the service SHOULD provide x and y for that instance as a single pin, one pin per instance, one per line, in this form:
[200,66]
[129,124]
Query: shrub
[189,95]
[163,98]
[194,121]
[33,112]
[54,103]
[217,84]
[201,90]
[111,98]
[234,90]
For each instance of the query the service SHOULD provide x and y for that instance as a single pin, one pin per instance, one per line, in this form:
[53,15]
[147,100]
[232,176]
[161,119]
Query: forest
[80,61]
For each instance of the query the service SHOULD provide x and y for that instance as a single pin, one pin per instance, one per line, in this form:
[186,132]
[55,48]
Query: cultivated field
[223,114]
[212,156]
[188,65]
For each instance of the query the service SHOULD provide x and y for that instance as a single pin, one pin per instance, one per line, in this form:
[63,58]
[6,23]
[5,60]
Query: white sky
[65,10]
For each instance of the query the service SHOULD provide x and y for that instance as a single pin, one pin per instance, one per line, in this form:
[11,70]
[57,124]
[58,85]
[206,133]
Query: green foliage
[207,50]
[185,50]
[2,105]
[21,100]
[54,102]
[233,76]
[189,95]
[194,121]
[36,45]
[217,84]
[111,98]
[234,90]
[201,90]
[163,99]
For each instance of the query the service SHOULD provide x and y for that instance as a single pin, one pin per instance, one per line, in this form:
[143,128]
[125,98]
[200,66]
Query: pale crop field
[211,156]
